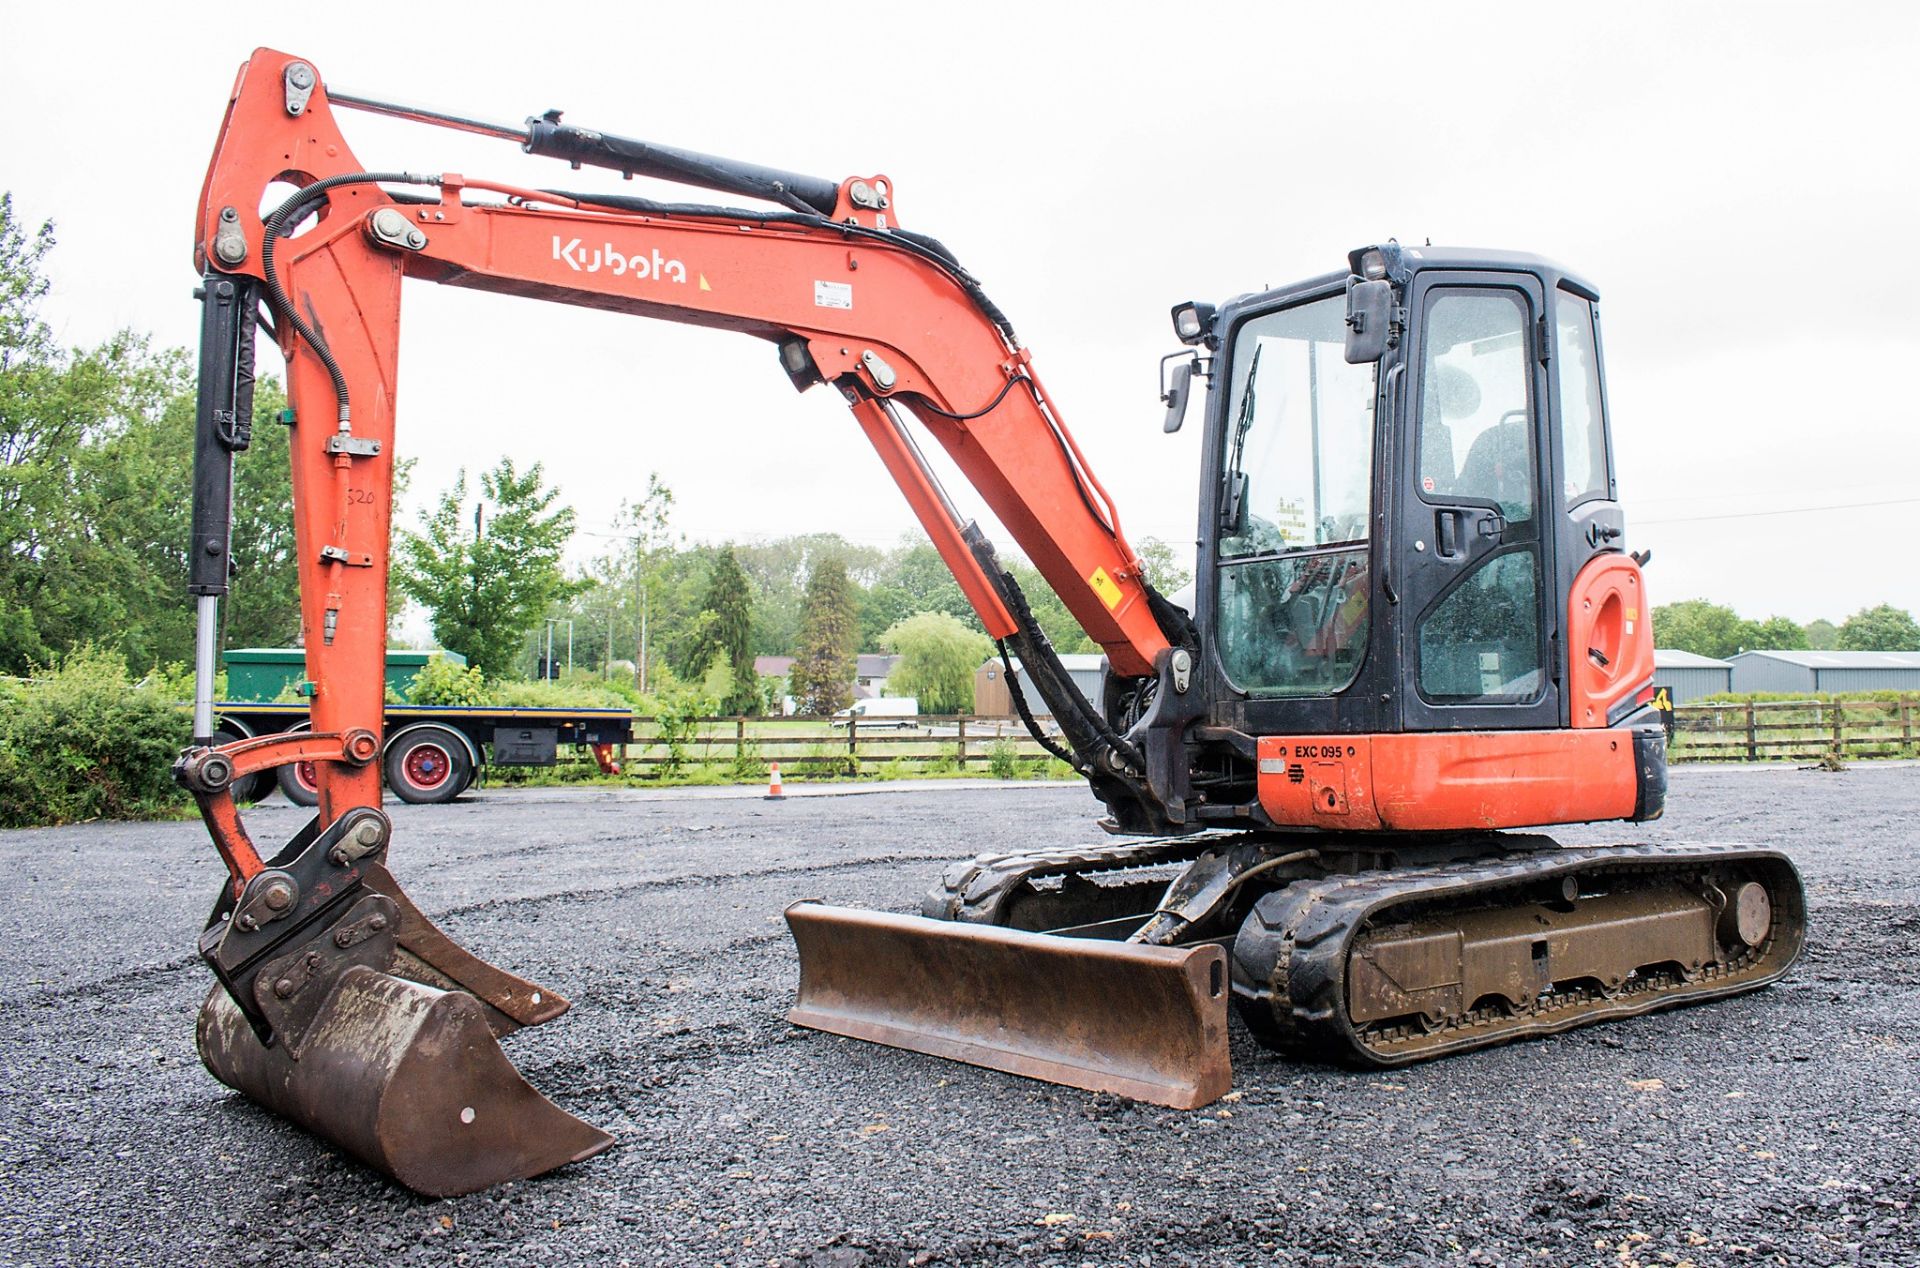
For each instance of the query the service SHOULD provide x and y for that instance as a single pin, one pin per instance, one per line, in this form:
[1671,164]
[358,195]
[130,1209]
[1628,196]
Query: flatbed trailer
[433,753]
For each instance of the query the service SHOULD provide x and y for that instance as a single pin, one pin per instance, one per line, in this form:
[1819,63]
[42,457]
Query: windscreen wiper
[1233,485]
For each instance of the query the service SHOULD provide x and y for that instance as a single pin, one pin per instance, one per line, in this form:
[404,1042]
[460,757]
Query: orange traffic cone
[773,784]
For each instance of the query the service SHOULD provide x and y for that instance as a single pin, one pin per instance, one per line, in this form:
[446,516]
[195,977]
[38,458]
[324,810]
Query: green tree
[938,657]
[821,680]
[779,571]
[1166,569]
[1050,611]
[1778,634]
[96,452]
[1705,629]
[1822,635]
[94,472]
[487,589]
[912,579]
[723,632]
[632,586]
[29,366]
[1880,629]
[84,742]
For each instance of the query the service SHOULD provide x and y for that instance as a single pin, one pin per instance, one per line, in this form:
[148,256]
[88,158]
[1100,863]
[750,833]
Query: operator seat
[1499,467]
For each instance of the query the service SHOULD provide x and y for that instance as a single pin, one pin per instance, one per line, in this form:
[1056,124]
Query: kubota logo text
[593,259]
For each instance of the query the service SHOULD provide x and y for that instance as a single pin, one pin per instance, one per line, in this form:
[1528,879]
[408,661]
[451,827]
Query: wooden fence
[820,746]
[1794,729]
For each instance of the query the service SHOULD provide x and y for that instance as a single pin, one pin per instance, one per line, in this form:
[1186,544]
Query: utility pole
[640,588]
[551,670]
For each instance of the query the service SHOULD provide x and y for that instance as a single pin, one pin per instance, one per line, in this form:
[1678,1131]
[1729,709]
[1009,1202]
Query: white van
[881,711]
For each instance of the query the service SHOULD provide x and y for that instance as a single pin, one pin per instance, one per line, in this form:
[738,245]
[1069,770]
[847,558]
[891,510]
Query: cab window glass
[1583,433]
[1481,644]
[1297,475]
[1476,444]
[1300,432]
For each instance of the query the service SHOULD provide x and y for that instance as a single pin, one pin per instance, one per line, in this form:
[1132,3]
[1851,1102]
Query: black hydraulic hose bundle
[1019,697]
[930,249]
[292,212]
[1099,750]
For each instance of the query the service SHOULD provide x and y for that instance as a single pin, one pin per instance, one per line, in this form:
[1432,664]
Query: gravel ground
[1776,1128]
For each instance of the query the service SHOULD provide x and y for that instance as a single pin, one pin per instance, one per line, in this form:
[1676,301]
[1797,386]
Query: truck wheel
[299,784]
[250,788]
[428,766]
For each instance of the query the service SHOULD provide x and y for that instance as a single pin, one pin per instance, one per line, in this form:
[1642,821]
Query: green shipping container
[261,674]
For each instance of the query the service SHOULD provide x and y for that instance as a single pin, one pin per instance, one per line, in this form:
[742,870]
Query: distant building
[871,673]
[776,667]
[991,699]
[772,666]
[1688,676]
[1826,671]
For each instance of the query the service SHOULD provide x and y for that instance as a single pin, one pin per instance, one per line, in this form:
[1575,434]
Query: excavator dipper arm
[334,985]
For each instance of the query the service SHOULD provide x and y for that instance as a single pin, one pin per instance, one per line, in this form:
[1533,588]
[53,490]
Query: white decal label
[583,259]
[832,295]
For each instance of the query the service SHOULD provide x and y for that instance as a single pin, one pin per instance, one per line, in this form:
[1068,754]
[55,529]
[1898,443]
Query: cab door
[1477,626]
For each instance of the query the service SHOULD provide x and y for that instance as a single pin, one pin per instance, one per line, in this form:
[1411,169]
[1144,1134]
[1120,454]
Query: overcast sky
[1740,180]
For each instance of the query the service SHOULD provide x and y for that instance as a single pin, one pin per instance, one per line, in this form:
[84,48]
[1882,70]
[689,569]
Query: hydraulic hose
[293,211]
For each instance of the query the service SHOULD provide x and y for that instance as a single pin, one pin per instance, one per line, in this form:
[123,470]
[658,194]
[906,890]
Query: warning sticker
[832,295]
[1104,587]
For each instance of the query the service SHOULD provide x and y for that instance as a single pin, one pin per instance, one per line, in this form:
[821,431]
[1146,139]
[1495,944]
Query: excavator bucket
[1145,1022]
[406,1075]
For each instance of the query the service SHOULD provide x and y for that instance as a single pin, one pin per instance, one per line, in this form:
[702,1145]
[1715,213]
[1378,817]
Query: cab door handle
[1446,534]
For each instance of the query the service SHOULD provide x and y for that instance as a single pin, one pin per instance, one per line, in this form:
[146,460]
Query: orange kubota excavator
[1414,628]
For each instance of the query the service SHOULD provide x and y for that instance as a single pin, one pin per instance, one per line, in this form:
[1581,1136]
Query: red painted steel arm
[887,325]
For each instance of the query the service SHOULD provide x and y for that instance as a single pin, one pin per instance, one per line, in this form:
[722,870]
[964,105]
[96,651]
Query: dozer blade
[407,1078]
[1145,1022]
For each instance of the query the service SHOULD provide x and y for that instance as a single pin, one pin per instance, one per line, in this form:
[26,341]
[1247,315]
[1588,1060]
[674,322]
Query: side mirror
[1369,316]
[1177,390]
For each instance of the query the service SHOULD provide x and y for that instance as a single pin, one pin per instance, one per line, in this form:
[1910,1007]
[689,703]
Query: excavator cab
[1393,538]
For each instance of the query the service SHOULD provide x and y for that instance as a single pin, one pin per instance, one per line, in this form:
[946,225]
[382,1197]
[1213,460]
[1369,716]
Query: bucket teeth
[405,1077]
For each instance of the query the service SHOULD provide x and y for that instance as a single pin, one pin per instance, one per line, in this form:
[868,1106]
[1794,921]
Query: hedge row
[84,741]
